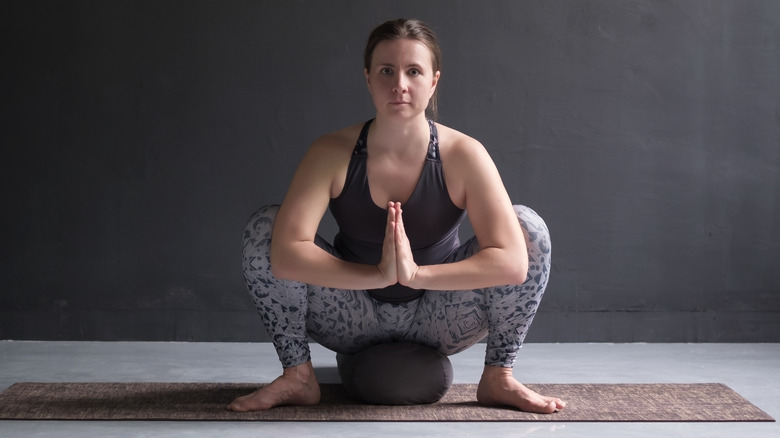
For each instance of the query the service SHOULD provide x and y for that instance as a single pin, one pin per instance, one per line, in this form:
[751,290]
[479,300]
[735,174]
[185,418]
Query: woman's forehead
[402,51]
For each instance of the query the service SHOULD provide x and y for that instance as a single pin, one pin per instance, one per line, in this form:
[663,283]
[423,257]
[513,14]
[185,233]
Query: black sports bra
[431,219]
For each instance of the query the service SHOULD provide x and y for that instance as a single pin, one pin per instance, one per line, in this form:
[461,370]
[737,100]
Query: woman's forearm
[306,262]
[488,267]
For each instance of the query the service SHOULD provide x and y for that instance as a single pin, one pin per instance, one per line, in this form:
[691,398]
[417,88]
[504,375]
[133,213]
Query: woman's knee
[260,225]
[257,237]
[536,231]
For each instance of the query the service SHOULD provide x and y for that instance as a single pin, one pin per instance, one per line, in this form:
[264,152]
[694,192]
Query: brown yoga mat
[207,402]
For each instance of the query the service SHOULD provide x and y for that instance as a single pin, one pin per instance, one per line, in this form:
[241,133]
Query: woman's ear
[368,78]
[435,81]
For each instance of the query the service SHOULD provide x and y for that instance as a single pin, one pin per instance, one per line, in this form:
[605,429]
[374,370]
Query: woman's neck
[399,136]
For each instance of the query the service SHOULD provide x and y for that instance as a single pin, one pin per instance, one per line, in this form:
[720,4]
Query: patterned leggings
[347,321]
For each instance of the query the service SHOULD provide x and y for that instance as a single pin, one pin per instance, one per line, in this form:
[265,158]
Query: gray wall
[139,136]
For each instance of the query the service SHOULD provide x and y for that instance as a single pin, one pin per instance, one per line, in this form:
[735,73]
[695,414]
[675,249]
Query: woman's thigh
[452,321]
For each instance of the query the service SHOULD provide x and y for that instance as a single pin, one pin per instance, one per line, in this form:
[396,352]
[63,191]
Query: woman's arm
[294,255]
[503,257]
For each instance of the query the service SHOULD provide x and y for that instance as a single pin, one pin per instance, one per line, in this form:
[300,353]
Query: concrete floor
[753,370]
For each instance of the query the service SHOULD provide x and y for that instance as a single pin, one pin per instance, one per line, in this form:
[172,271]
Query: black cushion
[398,373]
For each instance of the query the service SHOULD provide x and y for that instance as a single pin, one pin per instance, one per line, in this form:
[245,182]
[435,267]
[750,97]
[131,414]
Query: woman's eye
[414,72]
[386,71]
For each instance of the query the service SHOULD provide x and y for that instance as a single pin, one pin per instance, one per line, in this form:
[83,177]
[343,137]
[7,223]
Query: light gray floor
[753,370]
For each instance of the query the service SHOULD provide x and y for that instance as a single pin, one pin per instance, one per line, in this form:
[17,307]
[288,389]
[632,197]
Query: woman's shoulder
[343,140]
[328,157]
[345,136]
[456,144]
[464,161]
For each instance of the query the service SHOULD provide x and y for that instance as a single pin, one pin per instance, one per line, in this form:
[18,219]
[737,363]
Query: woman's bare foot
[296,386]
[498,387]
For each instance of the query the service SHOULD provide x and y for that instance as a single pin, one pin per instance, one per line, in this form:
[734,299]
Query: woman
[397,273]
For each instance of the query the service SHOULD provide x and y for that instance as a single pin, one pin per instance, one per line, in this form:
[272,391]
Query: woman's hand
[397,251]
[388,264]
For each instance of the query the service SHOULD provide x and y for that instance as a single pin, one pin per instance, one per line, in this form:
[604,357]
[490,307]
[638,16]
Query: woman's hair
[413,30]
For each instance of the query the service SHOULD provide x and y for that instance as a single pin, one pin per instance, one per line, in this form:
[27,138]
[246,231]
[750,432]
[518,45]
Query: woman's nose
[400,84]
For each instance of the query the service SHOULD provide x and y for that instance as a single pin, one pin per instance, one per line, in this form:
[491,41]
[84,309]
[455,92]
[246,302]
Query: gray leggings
[347,321]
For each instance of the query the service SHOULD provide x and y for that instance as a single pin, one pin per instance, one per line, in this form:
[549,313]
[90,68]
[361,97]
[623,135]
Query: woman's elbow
[292,262]
[511,267]
[281,268]
[518,274]
[518,270]
[278,272]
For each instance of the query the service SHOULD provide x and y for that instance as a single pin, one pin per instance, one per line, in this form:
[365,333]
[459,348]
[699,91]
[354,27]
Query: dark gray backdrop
[138,136]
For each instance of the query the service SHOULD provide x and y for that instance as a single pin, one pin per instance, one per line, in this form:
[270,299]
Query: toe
[549,408]
[238,405]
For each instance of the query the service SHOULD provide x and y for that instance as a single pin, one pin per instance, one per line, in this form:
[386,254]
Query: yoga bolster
[398,373]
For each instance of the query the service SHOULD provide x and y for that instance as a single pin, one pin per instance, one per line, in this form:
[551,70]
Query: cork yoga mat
[700,402]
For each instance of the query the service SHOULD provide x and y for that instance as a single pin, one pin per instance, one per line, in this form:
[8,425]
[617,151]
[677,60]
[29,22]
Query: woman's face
[401,80]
